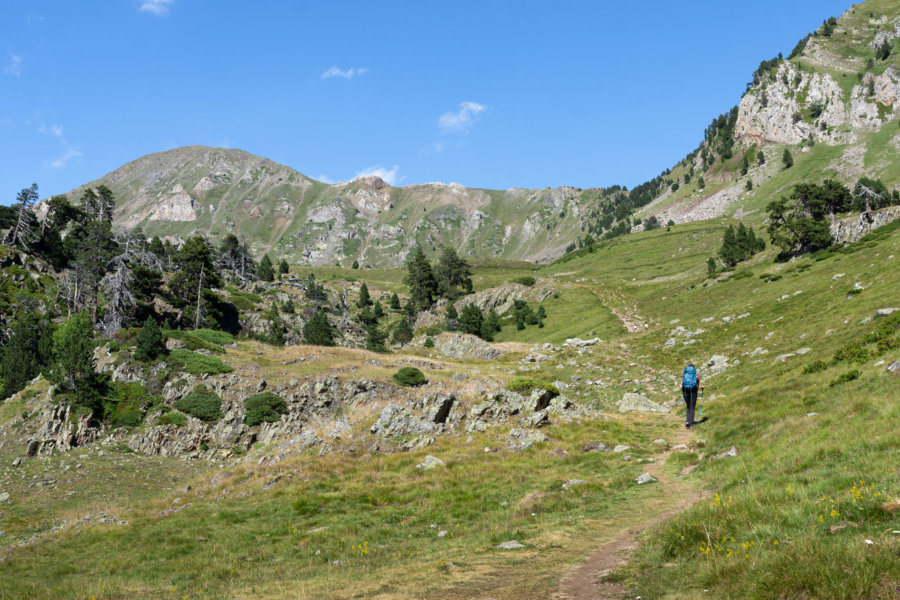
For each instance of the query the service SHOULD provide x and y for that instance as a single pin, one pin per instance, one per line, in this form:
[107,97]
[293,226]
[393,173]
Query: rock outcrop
[177,205]
[853,228]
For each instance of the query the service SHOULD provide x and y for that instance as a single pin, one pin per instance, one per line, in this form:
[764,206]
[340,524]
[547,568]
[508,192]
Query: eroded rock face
[177,205]
[767,112]
[464,345]
[853,228]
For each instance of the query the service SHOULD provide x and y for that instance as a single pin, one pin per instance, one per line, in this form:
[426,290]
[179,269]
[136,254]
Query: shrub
[223,338]
[172,418]
[127,407]
[527,280]
[848,376]
[150,342]
[202,404]
[410,377]
[525,386]
[853,353]
[196,364]
[434,330]
[266,407]
[816,366]
[429,343]
[192,341]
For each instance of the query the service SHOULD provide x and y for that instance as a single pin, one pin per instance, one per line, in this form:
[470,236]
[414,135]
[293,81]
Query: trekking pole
[700,416]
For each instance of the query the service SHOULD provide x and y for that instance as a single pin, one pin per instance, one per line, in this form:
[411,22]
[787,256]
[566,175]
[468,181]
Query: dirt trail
[587,581]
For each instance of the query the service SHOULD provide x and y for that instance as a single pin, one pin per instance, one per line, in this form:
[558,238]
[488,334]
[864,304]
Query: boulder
[430,462]
[463,345]
[645,478]
[521,439]
[510,545]
[636,402]
[730,453]
[716,364]
[579,343]
[595,447]
[572,483]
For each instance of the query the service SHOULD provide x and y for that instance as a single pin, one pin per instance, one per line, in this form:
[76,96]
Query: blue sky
[487,94]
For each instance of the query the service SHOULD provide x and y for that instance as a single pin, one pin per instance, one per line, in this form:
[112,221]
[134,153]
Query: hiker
[690,383]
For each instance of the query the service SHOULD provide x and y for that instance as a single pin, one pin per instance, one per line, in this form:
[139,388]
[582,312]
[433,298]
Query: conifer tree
[710,265]
[21,359]
[317,331]
[150,343]
[493,321]
[471,319]
[375,338]
[786,159]
[288,307]
[283,267]
[420,280]
[276,327]
[403,332]
[73,351]
[364,298]
[452,274]
[265,271]
[378,310]
[191,287]
[395,301]
[451,318]
[760,158]
[21,234]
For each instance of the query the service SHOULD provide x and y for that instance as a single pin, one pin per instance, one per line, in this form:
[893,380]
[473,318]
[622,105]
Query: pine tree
[378,310]
[745,165]
[265,271]
[420,280]
[283,267]
[235,260]
[471,319]
[21,234]
[288,307]
[701,183]
[375,338]
[150,342]
[276,327]
[729,251]
[760,158]
[429,343]
[395,301]
[786,159]
[541,312]
[451,318]
[452,274]
[710,265]
[355,264]
[364,298]
[20,361]
[493,321]
[73,351]
[749,185]
[318,331]
[191,287]
[403,332]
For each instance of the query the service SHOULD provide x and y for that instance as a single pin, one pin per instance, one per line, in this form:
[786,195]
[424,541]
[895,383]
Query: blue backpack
[689,379]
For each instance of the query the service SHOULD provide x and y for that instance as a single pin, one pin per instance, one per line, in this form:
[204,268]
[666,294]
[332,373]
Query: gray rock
[510,545]
[463,345]
[894,367]
[621,448]
[4,497]
[803,351]
[635,402]
[595,447]
[442,533]
[783,357]
[579,343]
[730,453]
[883,312]
[17,461]
[716,364]
[430,462]
[645,478]
[522,439]
[572,483]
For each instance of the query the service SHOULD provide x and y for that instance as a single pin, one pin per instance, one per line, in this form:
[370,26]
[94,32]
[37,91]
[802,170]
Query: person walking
[690,383]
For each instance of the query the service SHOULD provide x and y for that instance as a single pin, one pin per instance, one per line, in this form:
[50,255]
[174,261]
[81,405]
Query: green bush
[853,353]
[128,406]
[223,338]
[525,386]
[264,408]
[526,280]
[196,364]
[742,275]
[172,418]
[816,366]
[410,377]
[434,330]
[202,404]
[192,341]
[848,376]
[429,342]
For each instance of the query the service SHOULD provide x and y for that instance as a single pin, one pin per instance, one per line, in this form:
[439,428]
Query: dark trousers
[690,403]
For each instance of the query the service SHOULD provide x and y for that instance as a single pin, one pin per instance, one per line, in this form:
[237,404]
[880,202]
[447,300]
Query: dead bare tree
[21,233]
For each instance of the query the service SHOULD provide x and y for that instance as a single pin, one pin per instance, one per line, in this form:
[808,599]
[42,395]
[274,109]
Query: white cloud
[325,179]
[348,74]
[65,158]
[15,65]
[159,8]
[392,176]
[70,151]
[461,120]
